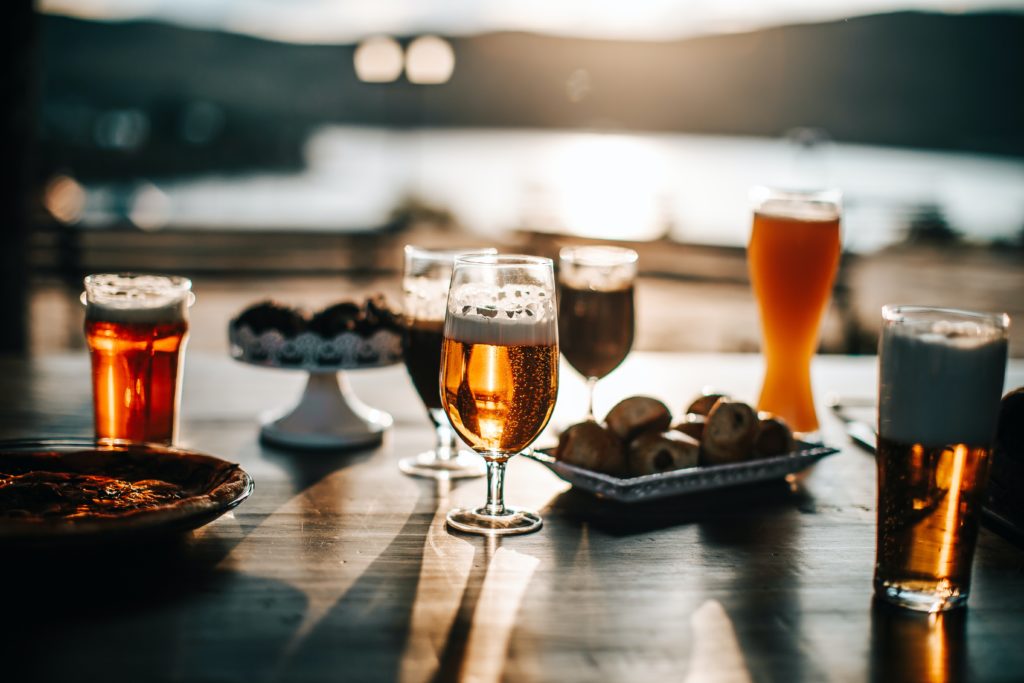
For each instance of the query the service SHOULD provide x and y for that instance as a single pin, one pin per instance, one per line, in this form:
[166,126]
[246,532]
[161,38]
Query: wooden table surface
[339,568]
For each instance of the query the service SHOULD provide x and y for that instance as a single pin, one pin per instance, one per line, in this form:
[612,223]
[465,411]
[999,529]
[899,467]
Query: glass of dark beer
[941,375]
[595,310]
[136,327]
[426,276]
[499,372]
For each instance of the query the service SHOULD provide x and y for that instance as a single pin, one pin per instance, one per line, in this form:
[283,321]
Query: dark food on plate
[593,447]
[729,434]
[70,495]
[703,404]
[334,320]
[100,483]
[346,316]
[268,315]
[773,436]
[635,439]
[653,453]
[638,414]
[692,425]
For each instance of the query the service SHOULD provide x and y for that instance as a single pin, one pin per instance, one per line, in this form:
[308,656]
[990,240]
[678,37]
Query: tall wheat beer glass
[136,327]
[425,283]
[793,257]
[499,372]
[940,378]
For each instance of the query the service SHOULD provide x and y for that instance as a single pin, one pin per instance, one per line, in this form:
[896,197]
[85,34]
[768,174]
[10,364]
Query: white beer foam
[137,298]
[502,316]
[599,279]
[941,386]
[799,210]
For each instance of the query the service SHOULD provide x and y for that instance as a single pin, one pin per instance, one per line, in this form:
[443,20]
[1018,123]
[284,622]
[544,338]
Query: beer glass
[595,310]
[940,381]
[499,372]
[425,281]
[136,327]
[793,257]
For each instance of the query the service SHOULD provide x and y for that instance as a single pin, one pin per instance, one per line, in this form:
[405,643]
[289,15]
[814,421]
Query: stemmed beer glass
[426,276]
[595,310]
[499,372]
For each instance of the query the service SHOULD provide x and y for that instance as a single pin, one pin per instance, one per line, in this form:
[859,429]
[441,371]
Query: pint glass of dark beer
[941,376]
[136,327]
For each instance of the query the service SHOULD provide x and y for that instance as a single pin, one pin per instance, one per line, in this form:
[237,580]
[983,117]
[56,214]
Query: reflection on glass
[925,648]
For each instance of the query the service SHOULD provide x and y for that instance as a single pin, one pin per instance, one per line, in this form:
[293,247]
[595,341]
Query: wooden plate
[63,489]
[681,482]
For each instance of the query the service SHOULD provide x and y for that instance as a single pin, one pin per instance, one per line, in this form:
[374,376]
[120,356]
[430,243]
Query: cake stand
[328,415]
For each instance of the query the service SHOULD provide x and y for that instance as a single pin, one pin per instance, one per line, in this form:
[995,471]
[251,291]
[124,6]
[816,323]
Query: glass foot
[463,466]
[479,522]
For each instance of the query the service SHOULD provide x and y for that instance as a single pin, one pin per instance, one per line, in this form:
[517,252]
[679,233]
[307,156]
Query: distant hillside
[908,79]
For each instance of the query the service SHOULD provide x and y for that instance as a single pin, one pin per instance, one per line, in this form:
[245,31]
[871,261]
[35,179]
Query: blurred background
[289,149]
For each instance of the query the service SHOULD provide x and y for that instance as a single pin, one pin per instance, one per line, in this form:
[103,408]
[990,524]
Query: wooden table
[340,568]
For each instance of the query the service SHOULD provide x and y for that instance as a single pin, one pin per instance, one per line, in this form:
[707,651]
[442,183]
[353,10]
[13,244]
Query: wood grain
[340,568]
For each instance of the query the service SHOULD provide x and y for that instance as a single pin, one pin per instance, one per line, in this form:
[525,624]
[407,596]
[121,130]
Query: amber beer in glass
[793,257]
[595,310]
[426,276]
[499,372]
[136,327]
[940,380]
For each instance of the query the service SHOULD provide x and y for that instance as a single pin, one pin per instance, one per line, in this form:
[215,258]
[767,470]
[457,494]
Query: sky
[344,21]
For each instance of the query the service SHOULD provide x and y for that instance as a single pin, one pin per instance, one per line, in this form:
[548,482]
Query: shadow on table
[307,468]
[152,609]
[733,505]
[761,558]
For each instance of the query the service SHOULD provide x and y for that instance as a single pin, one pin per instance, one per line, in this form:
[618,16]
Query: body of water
[601,185]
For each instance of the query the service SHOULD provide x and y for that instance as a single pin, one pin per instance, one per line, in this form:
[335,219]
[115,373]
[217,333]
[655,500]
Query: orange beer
[793,257]
[136,328]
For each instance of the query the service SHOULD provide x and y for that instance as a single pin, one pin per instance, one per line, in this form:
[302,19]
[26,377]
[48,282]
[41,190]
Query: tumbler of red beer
[793,257]
[136,327]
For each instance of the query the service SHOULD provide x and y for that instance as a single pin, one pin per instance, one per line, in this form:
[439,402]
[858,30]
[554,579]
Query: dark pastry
[653,453]
[268,315]
[591,446]
[637,414]
[692,425]
[703,404]
[336,319]
[774,436]
[729,433]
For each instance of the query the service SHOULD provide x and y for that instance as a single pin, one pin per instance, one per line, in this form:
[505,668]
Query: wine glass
[499,372]
[595,310]
[426,276]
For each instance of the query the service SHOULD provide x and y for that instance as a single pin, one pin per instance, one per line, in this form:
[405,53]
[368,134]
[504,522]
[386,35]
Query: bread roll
[653,453]
[703,404]
[591,446]
[774,436]
[692,425]
[637,414]
[729,433]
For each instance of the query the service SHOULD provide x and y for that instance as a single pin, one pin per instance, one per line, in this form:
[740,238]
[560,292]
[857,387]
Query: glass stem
[495,487]
[591,385]
[446,445]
